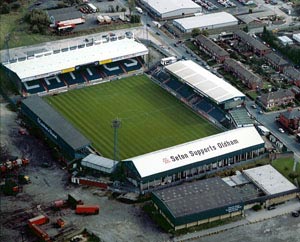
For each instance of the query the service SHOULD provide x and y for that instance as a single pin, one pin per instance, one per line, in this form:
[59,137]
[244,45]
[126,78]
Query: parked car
[281,130]
[295,214]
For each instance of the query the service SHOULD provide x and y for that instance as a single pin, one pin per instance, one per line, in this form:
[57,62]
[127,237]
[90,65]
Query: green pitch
[151,118]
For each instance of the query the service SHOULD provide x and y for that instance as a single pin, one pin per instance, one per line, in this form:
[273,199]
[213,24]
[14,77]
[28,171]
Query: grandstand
[77,65]
[192,97]
[206,84]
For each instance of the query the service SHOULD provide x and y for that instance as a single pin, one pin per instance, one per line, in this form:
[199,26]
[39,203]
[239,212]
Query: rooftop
[63,14]
[241,70]
[99,161]
[163,7]
[241,117]
[250,40]
[269,180]
[206,20]
[54,63]
[204,81]
[292,73]
[291,114]
[276,59]
[212,46]
[192,198]
[282,93]
[196,151]
[51,120]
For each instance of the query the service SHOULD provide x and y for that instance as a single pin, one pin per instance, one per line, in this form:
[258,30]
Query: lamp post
[116,123]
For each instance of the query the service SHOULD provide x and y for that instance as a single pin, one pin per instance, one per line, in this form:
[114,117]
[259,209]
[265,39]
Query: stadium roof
[206,20]
[241,117]
[98,161]
[56,63]
[47,116]
[163,7]
[269,180]
[195,151]
[192,198]
[204,81]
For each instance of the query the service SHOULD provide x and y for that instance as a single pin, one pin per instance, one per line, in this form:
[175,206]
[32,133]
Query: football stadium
[173,117]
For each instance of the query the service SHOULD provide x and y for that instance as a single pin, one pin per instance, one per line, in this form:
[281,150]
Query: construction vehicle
[87,209]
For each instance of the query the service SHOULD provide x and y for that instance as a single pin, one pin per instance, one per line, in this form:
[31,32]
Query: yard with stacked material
[151,118]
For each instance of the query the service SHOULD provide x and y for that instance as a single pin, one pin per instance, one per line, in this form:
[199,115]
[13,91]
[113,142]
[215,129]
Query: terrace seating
[204,105]
[174,84]
[91,73]
[111,69]
[216,114]
[162,76]
[33,87]
[185,91]
[53,82]
[72,77]
[131,65]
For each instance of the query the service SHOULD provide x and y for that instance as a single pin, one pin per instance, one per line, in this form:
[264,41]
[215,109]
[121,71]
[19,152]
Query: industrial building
[206,83]
[194,203]
[76,65]
[99,163]
[285,40]
[55,127]
[296,37]
[199,202]
[65,16]
[193,159]
[206,21]
[171,9]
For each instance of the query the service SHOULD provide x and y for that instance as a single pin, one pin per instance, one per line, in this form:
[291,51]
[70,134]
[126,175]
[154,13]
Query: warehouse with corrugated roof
[206,21]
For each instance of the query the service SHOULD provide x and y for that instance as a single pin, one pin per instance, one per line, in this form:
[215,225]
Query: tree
[246,29]
[135,19]
[117,8]
[131,6]
[195,32]
[5,8]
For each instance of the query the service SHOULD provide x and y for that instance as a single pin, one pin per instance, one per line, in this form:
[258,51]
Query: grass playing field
[151,118]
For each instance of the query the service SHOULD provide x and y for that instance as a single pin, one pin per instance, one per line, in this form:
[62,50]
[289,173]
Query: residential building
[290,119]
[276,99]
[293,74]
[251,80]
[276,61]
[256,46]
[211,48]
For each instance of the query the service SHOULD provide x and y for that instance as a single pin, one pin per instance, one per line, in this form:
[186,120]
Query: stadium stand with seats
[131,64]
[217,114]
[53,82]
[72,78]
[185,91]
[173,84]
[91,73]
[204,105]
[33,87]
[111,69]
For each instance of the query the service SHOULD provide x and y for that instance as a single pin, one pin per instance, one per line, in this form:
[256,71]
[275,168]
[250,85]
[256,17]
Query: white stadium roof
[195,151]
[55,63]
[170,5]
[204,81]
[269,179]
[206,20]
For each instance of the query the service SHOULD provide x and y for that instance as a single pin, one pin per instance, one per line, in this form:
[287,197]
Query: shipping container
[87,209]
[73,201]
[41,219]
[59,203]
[40,233]
[88,182]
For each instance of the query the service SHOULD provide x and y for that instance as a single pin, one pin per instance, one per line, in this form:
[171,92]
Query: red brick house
[290,119]
[276,99]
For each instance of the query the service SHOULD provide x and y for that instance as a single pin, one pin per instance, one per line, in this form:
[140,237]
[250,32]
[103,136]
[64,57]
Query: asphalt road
[268,120]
